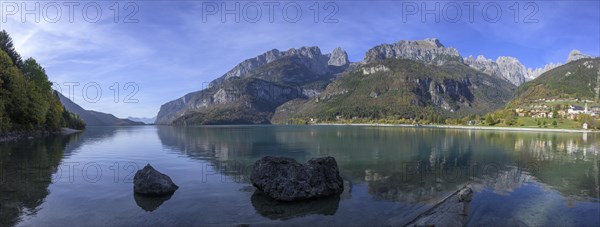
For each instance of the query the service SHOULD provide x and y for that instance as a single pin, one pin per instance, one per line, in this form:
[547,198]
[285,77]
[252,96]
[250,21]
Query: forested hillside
[27,101]
[574,80]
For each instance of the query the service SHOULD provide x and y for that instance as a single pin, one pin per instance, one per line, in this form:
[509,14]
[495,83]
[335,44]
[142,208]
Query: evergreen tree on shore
[27,101]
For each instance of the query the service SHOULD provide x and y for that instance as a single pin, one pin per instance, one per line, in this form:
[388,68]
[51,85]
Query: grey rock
[575,55]
[284,179]
[374,69]
[483,64]
[507,68]
[374,94]
[430,51]
[512,70]
[534,73]
[338,57]
[150,182]
[308,62]
[312,57]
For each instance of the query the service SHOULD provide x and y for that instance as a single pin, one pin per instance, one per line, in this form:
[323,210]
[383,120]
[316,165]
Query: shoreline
[465,127]
[14,136]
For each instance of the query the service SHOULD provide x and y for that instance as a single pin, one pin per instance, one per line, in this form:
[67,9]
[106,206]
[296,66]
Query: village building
[562,113]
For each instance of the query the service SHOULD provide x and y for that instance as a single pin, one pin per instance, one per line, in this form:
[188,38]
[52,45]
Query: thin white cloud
[171,52]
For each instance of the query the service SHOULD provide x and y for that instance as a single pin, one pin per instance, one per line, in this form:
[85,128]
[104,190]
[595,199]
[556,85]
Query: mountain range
[403,79]
[252,90]
[145,120]
[94,118]
[577,79]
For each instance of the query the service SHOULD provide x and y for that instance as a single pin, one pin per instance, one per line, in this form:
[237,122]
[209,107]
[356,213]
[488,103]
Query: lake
[391,174]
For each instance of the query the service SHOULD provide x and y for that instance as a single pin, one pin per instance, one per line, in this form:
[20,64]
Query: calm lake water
[391,175]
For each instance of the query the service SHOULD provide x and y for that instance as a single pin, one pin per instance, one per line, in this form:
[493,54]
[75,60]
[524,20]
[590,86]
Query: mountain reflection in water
[391,175]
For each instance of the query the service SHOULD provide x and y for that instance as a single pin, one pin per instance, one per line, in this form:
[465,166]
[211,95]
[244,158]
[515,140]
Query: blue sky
[173,47]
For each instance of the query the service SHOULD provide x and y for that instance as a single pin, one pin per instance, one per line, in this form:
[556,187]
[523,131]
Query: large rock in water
[284,179]
[150,182]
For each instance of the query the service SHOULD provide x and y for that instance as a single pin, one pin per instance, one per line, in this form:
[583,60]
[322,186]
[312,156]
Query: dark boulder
[150,182]
[284,179]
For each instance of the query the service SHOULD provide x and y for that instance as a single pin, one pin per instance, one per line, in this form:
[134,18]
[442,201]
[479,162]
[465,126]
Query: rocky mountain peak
[338,57]
[309,52]
[534,73]
[429,51]
[507,68]
[575,55]
[434,41]
[480,59]
[507,60]
[512,69]
[483,64]
[311,56]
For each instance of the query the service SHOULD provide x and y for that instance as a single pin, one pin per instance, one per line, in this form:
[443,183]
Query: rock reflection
[411,190]
[276,210]
[442,159]
[150,203]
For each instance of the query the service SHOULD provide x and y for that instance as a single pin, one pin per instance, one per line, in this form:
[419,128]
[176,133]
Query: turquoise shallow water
[391,174]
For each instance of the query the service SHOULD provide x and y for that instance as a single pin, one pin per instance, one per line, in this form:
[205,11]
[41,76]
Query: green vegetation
[404,94]
[530,122]
[27,101]
[553,92]
[574,80]
[404,89]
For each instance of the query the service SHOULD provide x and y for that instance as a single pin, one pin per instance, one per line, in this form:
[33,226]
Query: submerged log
[451,211]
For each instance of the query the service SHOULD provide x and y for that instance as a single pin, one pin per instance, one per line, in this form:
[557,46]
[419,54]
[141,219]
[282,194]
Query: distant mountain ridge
[278,85]
[258,85]
[94,118]
[311,57]
[512,70]
[576,79]
[508,68]
[145,120]
[401,88]
[430,51]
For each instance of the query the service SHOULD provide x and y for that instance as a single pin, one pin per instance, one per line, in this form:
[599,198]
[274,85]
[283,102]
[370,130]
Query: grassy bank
[466,127]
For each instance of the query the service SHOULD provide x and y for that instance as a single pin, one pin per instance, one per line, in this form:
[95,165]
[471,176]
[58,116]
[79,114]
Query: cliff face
[403,88]
[512,70]
[311,57]
[507,68]
[406,78]
[432,51]
[258,85]
[429,51]
[484,65]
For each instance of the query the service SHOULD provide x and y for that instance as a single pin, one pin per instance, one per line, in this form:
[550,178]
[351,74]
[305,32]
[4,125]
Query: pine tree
[6,45]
